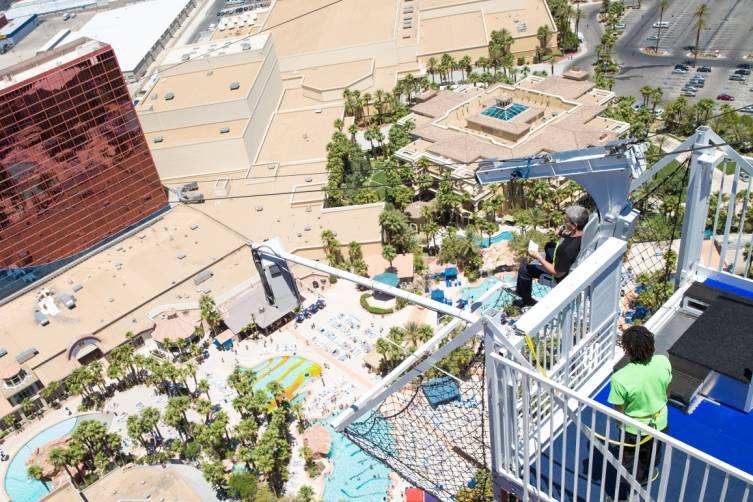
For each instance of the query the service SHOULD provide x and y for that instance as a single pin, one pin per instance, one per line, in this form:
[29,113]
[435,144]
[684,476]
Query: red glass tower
[75,169]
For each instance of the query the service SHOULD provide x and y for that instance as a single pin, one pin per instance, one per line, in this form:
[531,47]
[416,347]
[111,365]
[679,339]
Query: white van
[662,24]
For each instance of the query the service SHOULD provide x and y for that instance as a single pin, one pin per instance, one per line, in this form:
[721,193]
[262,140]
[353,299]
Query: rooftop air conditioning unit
[234,86]
[224,130]
[169,96]
[245,46]
[158,139]
[185,57]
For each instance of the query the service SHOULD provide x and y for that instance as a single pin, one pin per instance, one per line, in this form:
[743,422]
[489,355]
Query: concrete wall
[198,158]
[267,92]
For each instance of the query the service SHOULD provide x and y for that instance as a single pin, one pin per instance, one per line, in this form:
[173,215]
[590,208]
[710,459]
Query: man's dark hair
[638,344]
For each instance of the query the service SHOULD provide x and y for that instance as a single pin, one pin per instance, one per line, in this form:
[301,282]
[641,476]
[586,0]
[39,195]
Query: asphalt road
[729,32]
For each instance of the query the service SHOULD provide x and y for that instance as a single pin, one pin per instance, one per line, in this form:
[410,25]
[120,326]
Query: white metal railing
[570,333]
[718,211]
[730,219]
[566,455]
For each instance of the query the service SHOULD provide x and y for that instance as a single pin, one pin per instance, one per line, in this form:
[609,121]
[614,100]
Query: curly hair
[638,344]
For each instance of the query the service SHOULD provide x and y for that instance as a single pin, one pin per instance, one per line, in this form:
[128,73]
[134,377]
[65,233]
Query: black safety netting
[433,431]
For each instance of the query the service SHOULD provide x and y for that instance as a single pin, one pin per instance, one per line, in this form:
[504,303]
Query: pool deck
[341,380]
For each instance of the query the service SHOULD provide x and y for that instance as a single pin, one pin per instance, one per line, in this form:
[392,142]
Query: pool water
[20,487]
[506,113]
[505,235]
[292,373]
[355,474]
[502,297]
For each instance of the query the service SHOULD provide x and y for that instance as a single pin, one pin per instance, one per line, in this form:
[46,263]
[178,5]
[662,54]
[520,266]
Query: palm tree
[446,65]
[379,104]
[578,16]
[58,458]
[465,66]
[431,67]
[389,253]
[663,4]
[656,96]
[135,428]
[150,417]
[366,102]
[209,313]
[646,91]
[701,16]
[339,124]
[542,34]
[35,472]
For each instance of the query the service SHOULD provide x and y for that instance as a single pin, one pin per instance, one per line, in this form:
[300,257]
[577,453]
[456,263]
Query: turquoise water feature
[502,297]
[355,474]
[504,235]
[506,113]
[20,487]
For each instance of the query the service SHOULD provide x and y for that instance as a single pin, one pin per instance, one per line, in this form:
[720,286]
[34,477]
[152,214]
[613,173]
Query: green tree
[305,494]
[389,253]
[332,249]
[58,458]
[50,392]
[35,472]
[663,4]
[431,66]
[542,35]
[700,21]
[214,473]
[209,313]
[242,486]
[481,490]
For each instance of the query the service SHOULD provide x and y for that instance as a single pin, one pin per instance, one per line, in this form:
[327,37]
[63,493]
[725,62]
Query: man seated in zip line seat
[557,259]
[640,391]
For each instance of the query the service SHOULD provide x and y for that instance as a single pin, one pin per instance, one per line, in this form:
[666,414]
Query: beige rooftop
[121,284]
[142,483]
[201,87]
[561,114]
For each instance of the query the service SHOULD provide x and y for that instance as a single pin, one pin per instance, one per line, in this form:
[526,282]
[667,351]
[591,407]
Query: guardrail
[570,333]
[553,443]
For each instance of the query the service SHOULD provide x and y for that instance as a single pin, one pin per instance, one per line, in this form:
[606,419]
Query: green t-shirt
[641,389]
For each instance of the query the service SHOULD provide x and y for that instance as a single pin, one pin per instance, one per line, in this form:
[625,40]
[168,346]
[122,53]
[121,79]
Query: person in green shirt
[640,390]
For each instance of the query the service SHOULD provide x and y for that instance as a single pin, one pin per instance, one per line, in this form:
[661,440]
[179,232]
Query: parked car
[689,94]
[744,66]
[661,24]
[739,78]
[690,88]
[725,97]
[679,71]
[620,25]
[742,71]
[703,69]
[652,38]
[697,83]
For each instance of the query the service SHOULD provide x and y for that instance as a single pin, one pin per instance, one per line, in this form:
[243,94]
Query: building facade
[455,130]
[74,166]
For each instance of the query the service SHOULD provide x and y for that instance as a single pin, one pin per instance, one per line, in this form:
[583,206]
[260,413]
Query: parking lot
[717,82]
[728,27]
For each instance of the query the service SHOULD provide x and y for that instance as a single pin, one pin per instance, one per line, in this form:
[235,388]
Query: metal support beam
[366,282]
[702,165]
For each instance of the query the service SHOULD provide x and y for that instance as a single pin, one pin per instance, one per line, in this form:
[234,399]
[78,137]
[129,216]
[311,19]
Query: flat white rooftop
[40,7]
[212,48]
[132,30]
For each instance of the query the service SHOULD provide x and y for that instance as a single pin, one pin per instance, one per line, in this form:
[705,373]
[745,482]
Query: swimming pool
[355,474]
[20,487]
[506,113]
[505,235]
[502,297]
[291,371]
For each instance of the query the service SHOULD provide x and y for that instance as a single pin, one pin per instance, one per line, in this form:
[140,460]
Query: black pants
[645,453]
[530,271]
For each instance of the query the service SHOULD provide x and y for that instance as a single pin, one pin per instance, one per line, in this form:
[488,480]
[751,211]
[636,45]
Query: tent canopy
[437,295]
[451,273]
